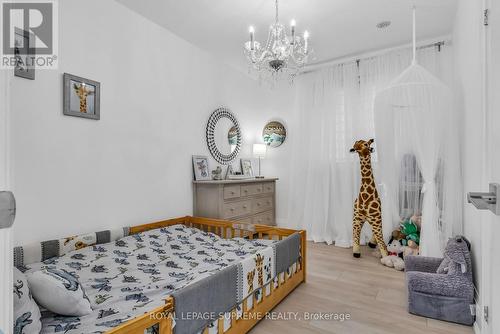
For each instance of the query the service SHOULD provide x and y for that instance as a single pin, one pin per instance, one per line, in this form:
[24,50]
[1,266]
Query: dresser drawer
[266,218]
[235,209]
[262,204]
[231,192]
[268,188]
[251,189]
[247,220]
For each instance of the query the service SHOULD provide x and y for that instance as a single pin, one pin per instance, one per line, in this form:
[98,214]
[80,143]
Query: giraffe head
[82,91]
[362,147]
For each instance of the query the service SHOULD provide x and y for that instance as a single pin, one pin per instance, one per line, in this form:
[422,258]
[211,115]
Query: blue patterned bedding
[133,275]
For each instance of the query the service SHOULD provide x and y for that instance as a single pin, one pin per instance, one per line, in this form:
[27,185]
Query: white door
[491,247]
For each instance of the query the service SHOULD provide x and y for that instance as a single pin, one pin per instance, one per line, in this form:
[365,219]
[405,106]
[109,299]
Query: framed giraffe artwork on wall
[81,97]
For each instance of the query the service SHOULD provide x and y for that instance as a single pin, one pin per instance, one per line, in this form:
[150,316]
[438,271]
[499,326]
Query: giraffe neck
[83,105]
[83,102]
[366,170]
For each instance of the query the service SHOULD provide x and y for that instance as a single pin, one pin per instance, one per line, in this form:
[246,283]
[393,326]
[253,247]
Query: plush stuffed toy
[411,249]
[394,260]
[454,257]
[398,235]
[410,230]
[417,220]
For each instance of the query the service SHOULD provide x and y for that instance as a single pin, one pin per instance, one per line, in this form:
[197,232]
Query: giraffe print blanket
[127,277]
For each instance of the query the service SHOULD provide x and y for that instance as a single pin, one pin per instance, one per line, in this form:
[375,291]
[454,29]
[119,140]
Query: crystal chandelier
[282,56]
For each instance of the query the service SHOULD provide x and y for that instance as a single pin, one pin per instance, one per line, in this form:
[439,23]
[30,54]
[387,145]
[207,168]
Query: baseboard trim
[477,329]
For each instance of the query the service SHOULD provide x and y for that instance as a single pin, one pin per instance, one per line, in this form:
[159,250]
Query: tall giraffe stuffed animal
[367,207]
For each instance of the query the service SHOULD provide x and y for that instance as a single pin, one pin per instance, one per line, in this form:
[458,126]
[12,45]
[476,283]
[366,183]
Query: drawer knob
[232,192]
[232,209]
[245,190]
[244,206]
[268,202]
[258,203]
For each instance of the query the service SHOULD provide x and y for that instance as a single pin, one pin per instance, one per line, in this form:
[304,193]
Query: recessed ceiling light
[383,24]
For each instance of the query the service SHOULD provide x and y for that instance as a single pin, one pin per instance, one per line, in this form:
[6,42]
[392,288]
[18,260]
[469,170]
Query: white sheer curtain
[335,107]
[413,118]
[322,170]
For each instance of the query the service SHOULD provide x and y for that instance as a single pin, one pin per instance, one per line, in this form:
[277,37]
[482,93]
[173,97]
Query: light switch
[7,209]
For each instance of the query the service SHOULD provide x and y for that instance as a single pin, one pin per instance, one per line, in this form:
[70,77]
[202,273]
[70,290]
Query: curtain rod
[436,42]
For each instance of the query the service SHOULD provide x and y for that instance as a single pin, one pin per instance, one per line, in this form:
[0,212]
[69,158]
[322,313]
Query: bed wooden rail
[159,317]
[254,309]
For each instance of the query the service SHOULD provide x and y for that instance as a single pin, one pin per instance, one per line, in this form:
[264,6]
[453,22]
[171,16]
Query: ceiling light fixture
[282,56]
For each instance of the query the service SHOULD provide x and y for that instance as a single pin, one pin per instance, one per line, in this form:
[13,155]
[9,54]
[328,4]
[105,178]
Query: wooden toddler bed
[253,310]
[161,316]
[160,277]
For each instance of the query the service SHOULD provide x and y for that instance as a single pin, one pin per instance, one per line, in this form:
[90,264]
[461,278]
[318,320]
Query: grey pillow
[59,291]
[26,311]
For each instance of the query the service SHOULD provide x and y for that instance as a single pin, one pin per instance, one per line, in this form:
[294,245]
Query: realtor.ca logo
[29,34]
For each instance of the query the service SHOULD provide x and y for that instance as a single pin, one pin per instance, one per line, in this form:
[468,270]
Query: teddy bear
[393,260]
[398,235]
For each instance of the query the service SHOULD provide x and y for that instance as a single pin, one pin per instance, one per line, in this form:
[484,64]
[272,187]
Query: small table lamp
[259,151]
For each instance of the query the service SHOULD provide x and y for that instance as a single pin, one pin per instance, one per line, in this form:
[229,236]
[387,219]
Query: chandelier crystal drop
[283,56]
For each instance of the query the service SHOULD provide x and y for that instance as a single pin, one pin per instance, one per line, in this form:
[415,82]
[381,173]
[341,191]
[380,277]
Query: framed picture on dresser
[201,170]
[246,167]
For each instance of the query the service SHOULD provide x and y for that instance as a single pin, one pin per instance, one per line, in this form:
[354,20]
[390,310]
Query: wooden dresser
[250,201]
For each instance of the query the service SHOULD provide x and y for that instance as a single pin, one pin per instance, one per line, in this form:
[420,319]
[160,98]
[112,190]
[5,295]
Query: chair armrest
[422,263]
[440,284]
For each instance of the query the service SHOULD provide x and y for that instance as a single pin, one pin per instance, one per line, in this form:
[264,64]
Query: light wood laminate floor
[373,295]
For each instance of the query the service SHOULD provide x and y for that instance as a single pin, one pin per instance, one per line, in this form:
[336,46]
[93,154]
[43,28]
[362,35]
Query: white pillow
[26,311]
[59,291]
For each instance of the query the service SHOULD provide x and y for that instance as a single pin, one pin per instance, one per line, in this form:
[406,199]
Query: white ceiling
[338,28]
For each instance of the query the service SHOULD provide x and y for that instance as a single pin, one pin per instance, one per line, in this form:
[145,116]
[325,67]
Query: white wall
[467,45]
[479,146]
[73,175]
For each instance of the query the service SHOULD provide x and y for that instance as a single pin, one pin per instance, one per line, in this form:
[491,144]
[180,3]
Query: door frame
[6,235]
[490,249]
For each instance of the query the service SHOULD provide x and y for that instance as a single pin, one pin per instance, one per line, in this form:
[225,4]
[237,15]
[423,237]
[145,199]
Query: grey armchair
[442,288]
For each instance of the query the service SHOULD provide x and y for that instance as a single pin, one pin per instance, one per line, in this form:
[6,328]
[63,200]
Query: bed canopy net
[417,146]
